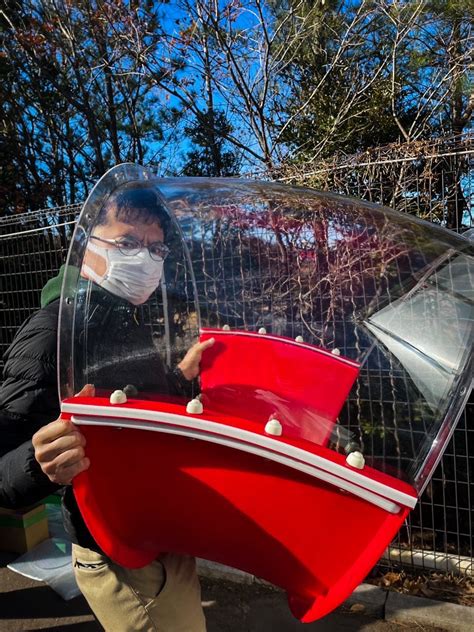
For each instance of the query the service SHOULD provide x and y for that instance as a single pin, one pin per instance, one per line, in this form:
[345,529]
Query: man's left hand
[189,365]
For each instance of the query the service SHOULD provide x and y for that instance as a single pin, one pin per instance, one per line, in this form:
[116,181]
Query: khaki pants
[164,596]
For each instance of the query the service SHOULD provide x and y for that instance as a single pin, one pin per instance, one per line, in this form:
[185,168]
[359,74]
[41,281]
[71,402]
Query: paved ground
[28,605]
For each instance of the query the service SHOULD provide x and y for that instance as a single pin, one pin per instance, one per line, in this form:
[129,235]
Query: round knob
[118,397]
[274,427]
[356,459]
[194,407]
[130,390]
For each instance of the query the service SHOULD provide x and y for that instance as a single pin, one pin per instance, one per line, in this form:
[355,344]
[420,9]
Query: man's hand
[189,365]
[59,448]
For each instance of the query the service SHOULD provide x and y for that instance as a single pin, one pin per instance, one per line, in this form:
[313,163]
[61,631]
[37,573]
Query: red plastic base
[148,492]
[203,499]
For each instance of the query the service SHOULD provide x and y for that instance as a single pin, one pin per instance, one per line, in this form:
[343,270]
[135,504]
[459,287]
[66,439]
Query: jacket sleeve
[28,400]
[22,482]
[29,392]
[179,385]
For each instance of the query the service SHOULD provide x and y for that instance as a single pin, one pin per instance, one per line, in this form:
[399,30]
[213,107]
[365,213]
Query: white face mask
[132,277]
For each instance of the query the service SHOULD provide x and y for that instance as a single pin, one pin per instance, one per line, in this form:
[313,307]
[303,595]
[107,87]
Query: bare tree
[80,109]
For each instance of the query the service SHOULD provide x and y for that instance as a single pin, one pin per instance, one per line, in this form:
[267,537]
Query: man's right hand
[59,448]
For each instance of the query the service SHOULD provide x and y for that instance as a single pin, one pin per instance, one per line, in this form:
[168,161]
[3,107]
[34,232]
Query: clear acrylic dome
[383,292]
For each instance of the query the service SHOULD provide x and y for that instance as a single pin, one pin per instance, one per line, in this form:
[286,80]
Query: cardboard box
[22,529]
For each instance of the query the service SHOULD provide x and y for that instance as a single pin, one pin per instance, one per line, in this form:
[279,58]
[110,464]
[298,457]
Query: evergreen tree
[210,158]
[369,73]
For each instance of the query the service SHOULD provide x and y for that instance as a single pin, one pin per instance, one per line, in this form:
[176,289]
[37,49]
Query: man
[124,261]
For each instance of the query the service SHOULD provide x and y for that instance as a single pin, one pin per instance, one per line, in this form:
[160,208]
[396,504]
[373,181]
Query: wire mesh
[33,246]
[300,264]
[434,180]
[439,531]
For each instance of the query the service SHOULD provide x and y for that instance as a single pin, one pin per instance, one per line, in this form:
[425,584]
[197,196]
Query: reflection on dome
[387,290]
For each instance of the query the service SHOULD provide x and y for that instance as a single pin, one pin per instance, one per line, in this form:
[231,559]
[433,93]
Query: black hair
[136,201]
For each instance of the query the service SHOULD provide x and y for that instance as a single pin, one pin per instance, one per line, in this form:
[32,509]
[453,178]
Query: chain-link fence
[33,246]
[434,181]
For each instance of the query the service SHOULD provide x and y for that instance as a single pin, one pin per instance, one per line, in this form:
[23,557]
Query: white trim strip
[271,444]
[379,501]
[253,334]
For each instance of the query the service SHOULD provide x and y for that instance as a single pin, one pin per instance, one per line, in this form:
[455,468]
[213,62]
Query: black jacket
[22,482]
[29,385]
[29,394]
[29,397]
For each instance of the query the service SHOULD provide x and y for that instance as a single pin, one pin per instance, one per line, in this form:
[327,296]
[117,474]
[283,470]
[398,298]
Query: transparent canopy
[385,292]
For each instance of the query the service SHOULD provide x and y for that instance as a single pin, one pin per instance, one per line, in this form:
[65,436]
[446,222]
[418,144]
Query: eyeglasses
[129,246]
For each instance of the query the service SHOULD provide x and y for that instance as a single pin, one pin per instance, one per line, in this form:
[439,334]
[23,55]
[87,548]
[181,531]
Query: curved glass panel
[128,312]
[386,290]
[385,299]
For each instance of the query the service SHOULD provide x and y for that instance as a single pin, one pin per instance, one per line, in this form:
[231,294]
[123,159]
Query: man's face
[115,229]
